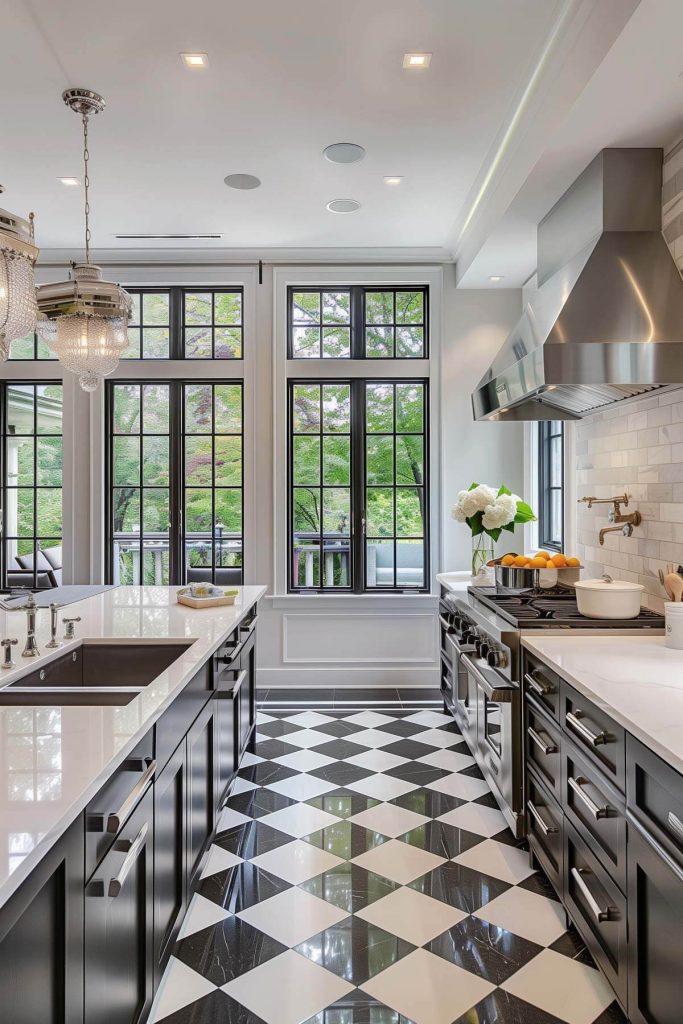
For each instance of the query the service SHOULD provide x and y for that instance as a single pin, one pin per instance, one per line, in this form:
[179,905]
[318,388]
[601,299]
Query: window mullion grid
[393,463]
[357,486]
[321,489]
[176,540]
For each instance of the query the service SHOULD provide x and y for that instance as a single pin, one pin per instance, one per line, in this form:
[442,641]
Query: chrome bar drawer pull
[573,719]
[591,806]
[546,748]
[116,884]
[547,830]
[116,820]
[598,913]
[543,690]
[675,824]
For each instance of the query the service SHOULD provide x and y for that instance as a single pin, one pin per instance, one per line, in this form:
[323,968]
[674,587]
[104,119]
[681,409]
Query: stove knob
[481,647]
[497,659]
[469,636]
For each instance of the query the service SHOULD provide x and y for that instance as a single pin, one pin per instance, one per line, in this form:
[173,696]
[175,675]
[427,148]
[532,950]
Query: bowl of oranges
[542,569]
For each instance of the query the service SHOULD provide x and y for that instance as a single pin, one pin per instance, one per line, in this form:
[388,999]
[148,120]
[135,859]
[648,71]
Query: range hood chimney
[606,321]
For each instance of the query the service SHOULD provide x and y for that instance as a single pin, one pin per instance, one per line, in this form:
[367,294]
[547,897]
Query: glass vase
[482,551]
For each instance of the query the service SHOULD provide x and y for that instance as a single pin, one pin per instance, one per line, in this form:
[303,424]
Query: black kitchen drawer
[594,732]
[654,794]
[542,738]
[106,813]
[174,723]
[541,683]
[544,823]
[598,909]
[596,810]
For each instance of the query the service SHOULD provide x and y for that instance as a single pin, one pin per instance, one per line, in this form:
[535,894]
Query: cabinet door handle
[598,913]
[537,686]
[234,689]
[116,883]
[546,748]
[249,628]
[547,830]
[590,805]
[117,818]
[675,824]
[573,720]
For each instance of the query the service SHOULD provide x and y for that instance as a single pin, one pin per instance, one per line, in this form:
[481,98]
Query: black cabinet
[246,698]
[200,787]
[225,763]
[41,940]
[655,909]
[118,962]
[170,855]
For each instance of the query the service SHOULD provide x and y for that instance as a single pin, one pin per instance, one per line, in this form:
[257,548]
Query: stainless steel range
[481,672]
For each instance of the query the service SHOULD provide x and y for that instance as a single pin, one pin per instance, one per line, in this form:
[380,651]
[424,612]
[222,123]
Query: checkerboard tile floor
[362,874]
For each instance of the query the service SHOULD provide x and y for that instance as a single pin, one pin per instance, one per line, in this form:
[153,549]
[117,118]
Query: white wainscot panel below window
[406,639]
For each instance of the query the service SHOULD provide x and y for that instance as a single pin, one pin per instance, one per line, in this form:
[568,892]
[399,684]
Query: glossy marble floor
[362,874]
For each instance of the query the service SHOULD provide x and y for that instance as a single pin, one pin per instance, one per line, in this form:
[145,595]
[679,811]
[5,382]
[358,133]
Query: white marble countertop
[456,582]
[635,679]
[53,760]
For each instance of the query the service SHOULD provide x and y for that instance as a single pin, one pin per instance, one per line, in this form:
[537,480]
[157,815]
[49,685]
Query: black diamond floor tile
[539,884]
[339,749]
[572,945]
[216,1008]
[343,803]
[473,772]
[227,950]
[460,887]
[273,748]
[503,1008]
[340,773]
[415,771]
[349,887]
[428,802]
[409,747]
[612,1015]
[240,887]
[251,839]
[355,950]
[281,727]
[258,802]
[442,839]
[339,728]
[359,1008]
[401,727]
[345,839]
[266,773]
[483,949]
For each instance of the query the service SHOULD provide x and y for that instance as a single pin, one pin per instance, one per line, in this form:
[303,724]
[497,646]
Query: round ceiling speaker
[242,181]
[343,206]
[344,153]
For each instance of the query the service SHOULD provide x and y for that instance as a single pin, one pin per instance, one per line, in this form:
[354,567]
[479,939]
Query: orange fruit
[550,564]
[537,562]
[507,560]
[521,561]
[543,554]
[559,561]
[574,562]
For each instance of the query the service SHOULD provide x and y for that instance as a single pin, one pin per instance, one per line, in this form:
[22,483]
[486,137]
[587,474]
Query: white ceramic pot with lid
[608,599]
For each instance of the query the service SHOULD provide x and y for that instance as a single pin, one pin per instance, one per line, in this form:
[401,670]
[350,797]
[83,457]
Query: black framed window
[29,348]
[149,327]
[551,484]
[358,516]
[186,323]
[32,459]
[358,323]
[175,482]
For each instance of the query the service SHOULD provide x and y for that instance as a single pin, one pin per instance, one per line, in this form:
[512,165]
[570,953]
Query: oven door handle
[446,624]
[459,648]
[501,694]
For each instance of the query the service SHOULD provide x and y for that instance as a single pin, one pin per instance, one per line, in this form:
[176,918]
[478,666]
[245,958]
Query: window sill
[389,601]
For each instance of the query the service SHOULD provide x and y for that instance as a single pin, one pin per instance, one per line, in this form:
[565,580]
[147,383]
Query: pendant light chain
[86,185]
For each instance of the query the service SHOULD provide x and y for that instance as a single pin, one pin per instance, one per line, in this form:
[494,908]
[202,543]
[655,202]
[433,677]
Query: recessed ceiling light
[343,206]
[242,181]
[496,277]
[195,60]
[343,153]
[417,60]
[393,179]
[69,181]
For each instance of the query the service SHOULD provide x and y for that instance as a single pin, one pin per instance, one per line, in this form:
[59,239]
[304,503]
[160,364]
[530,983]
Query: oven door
[463,702]
[498,740]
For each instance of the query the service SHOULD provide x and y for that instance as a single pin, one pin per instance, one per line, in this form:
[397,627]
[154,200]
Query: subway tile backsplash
[635,448]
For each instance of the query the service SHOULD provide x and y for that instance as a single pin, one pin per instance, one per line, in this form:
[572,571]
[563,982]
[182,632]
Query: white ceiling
[286,78]
[635,98]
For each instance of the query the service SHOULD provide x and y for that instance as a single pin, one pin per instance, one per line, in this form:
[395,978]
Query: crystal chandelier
[18,255]
[85,320]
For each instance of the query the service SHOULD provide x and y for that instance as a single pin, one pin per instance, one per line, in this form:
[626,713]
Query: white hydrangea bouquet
[488,512]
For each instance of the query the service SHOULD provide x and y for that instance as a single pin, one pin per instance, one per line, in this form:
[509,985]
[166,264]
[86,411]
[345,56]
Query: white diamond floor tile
[217,860]
[398,861]
[462,786]
[297,862]
[371,738]
[288,989]
[498,860]
[229,818]
[427,989]
[307,738]
[262,718]
[382,787]
[369,719]
[242,786]
[389,820]
[309,719]
[561,986]
[179,987]
[292,916]
[448,760]
[483,821]
[302,787]
[411,915]
[248,759]
[299,820]
[201,913]
[527,914]
[430,719]
[304,760]
[439,738]
[376,760]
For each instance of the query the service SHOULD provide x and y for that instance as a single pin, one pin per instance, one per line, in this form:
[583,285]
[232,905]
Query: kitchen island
[108,809]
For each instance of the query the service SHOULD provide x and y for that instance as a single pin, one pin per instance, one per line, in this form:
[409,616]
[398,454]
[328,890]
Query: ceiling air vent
[158,237]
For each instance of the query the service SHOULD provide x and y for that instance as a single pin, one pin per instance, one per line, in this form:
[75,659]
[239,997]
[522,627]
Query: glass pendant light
[85,320]
[18,256]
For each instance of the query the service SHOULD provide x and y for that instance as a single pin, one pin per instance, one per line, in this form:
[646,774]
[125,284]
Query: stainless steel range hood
[606,321]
